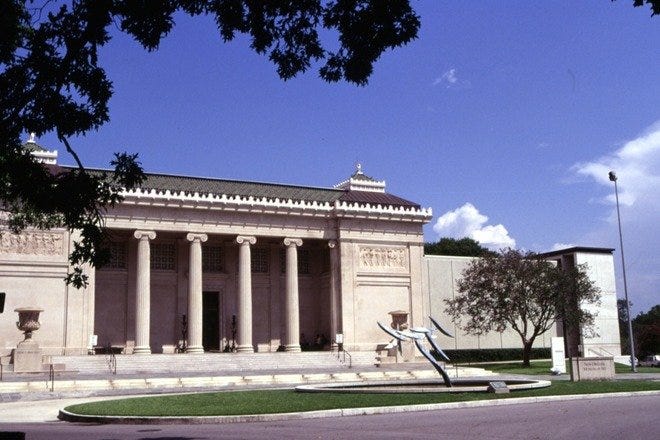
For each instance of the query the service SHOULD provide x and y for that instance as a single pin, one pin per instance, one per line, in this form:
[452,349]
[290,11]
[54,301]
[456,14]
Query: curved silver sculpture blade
[420,330]
[392,332]
[439,327]
[433,362]
[436,348]
[411,335]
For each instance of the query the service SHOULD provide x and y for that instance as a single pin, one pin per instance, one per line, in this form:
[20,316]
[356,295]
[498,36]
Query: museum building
[201,264]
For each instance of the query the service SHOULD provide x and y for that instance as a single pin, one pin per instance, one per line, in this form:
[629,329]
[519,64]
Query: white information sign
[558,356]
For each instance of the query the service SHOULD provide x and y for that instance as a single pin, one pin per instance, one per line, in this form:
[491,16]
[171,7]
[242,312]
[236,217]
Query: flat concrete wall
[605,341]
[440,275]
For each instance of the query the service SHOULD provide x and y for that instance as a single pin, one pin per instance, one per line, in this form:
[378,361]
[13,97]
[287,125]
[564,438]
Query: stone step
[217,362]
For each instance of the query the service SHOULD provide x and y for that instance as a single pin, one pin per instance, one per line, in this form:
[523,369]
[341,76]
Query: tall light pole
[625,283]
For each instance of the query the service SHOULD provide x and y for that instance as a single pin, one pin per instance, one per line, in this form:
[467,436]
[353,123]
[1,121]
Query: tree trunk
[527,352]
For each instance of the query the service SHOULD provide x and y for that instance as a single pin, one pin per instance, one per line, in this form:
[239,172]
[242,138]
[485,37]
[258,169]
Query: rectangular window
[212,259]
[163,256]
[303,261]
[260,260]
[117,256]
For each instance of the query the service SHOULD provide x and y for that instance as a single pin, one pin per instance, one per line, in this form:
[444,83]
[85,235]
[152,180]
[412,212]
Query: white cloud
[467,221]
[637,166]
[449,78]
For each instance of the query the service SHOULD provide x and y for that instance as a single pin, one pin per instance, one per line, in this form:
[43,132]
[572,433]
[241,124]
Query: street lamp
[625,284]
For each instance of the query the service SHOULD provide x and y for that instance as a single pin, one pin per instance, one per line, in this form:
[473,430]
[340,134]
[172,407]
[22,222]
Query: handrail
[341,355]
[350,358]
[112,359]
[51,377]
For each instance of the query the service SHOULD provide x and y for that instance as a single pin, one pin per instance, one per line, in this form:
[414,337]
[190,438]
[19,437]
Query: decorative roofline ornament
[361,182]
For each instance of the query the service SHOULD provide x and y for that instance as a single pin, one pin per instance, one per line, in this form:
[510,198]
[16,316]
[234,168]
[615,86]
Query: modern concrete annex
[265,266]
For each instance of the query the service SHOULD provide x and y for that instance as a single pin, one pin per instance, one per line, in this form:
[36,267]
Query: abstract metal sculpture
[417,334]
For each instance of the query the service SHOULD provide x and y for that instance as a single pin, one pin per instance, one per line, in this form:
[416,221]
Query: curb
[341,412]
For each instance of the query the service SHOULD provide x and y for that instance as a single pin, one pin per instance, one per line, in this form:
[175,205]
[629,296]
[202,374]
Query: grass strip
[284,401]
[542,368]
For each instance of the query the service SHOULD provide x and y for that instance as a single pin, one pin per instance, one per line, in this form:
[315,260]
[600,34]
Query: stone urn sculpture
[27,355]
[399,319]
[28,320]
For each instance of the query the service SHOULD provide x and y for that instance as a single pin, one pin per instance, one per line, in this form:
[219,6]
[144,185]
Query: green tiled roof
[236,187]
[202,186]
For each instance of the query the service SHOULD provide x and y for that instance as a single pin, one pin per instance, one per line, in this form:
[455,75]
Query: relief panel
[42,246]
[383,259]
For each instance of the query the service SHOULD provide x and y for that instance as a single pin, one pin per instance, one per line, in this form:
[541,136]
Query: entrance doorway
[211,321]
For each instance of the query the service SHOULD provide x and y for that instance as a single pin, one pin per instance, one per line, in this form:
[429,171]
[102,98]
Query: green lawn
[539,368]
[283,401]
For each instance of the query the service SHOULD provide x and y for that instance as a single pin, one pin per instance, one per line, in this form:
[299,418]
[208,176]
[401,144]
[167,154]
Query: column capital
[197,237]
[292,242]
[332,244]
[246,239]
[144,235]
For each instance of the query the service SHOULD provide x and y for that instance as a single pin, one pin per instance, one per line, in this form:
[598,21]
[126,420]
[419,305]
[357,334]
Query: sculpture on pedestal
[27,355]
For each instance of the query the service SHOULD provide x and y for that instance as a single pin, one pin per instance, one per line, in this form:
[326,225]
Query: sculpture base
[27,357]
[407,353]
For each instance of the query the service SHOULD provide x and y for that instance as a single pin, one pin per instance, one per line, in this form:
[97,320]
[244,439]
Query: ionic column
[334,292]
[195,293]
[143,292]
[244,325]
[291,309]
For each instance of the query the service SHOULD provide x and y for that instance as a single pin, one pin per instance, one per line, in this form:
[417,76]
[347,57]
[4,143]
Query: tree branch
[63,139]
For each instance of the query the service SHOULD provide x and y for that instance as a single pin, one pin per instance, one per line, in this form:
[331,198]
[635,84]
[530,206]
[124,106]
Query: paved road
[605,418]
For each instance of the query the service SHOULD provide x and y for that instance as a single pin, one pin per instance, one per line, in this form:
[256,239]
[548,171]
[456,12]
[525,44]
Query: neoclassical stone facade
[207,264]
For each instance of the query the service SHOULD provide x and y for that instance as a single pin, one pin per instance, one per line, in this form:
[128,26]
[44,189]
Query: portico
[271,270]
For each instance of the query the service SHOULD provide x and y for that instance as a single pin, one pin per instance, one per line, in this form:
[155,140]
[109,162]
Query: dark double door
[211,321]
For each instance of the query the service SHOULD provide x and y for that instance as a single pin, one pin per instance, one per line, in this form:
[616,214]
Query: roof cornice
[182,199]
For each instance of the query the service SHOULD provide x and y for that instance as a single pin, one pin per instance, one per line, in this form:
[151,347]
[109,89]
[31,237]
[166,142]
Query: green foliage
[494,354]
[538,368]
[285,401]
[653,4]
[522,292]
[464,247]
[51,81]
[622,314]
[646,331]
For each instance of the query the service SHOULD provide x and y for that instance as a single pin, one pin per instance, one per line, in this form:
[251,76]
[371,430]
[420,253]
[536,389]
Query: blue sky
[504,117]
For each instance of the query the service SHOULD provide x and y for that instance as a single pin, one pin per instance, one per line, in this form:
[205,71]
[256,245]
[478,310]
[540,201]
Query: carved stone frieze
[383,258]
[32,243]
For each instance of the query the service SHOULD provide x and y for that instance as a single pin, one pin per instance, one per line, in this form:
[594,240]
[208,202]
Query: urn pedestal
[27,355]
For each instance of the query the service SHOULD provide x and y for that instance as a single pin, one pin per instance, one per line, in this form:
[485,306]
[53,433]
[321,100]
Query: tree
[51,81]
[622,314]
[464,247]
[646,330]
[654,4]
[524,293]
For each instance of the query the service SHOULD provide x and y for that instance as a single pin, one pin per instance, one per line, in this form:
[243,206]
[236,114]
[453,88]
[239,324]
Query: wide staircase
[213,363]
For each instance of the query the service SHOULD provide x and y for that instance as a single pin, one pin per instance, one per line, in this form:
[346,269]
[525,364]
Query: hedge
[493,355]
